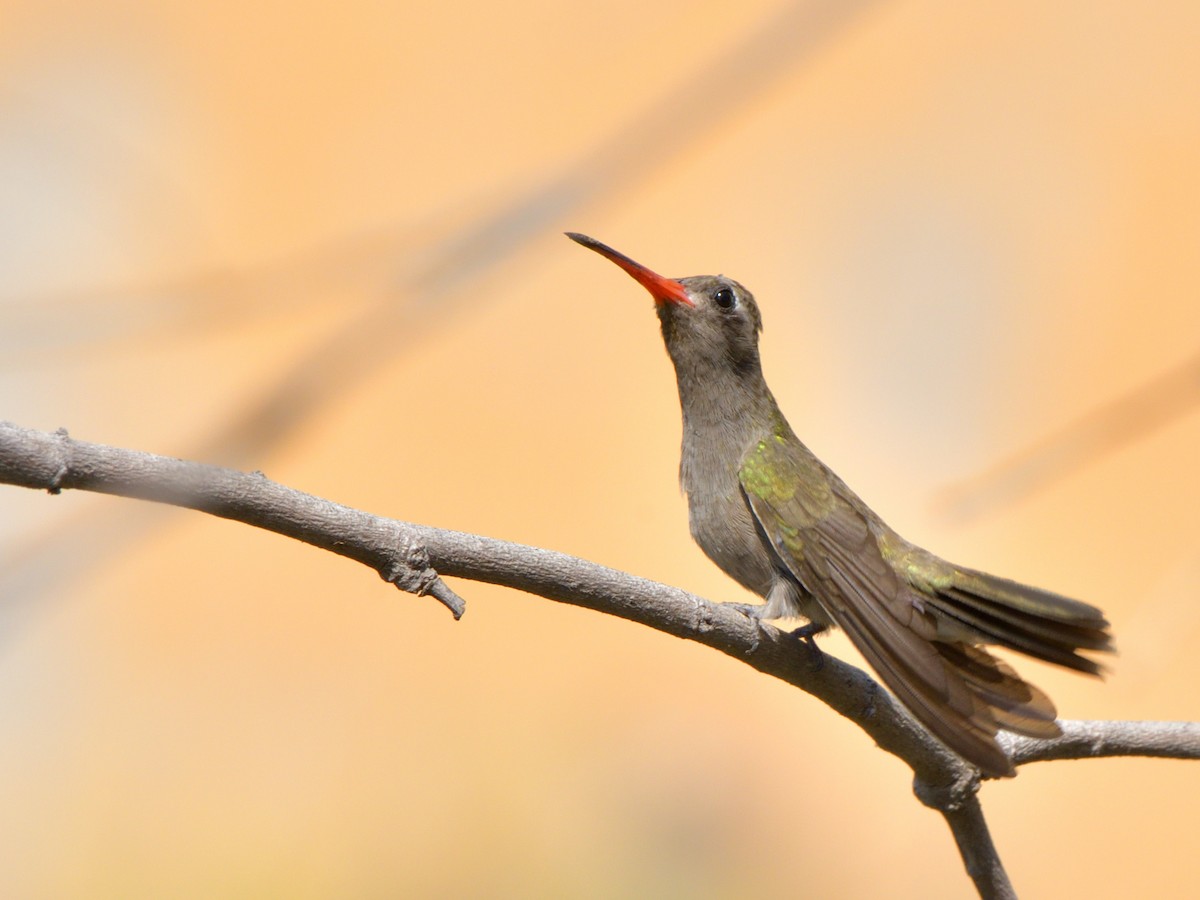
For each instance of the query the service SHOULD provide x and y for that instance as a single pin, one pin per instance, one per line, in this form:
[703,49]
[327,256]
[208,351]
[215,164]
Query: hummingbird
[779,522]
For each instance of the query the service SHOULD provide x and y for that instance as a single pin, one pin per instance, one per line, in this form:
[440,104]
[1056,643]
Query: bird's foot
[749,610]
[805,634]
[753,612]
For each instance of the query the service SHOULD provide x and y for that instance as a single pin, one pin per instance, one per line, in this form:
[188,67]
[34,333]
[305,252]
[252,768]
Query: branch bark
[414,557]
[959,805]
[1096,739]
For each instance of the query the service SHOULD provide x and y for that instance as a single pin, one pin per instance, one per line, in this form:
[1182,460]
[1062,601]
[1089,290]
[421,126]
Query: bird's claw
[749,610]
[806,635]
[753,612]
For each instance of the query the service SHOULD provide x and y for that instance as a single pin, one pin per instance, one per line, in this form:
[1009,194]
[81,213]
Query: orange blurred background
[967,226]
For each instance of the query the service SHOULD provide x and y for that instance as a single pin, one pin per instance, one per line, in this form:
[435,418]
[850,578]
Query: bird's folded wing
[824,541]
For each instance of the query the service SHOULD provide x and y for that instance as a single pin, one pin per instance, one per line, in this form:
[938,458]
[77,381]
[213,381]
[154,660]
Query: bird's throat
[726,410]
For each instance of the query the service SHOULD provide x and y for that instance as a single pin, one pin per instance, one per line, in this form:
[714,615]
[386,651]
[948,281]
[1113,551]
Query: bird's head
[708,321]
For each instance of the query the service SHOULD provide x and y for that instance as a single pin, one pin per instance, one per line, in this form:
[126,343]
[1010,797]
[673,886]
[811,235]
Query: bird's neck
[725,411]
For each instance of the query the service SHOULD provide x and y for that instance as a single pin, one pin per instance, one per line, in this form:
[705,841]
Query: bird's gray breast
[720,520]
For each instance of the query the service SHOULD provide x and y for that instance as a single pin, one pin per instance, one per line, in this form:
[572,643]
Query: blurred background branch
[1145,409]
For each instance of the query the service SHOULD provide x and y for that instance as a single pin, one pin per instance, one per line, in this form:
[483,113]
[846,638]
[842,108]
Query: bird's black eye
[725,298]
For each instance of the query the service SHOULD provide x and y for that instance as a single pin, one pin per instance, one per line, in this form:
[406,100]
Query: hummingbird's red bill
[663,290]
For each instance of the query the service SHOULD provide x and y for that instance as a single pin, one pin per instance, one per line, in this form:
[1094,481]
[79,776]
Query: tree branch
[959,805]
[413,557]
[1093,740]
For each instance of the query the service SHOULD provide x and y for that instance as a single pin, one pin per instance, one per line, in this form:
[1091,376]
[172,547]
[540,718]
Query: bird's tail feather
[1039,623]
[1012,703]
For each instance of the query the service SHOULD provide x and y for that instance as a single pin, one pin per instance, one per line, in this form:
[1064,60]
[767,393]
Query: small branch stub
[410,571]
[64,468]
